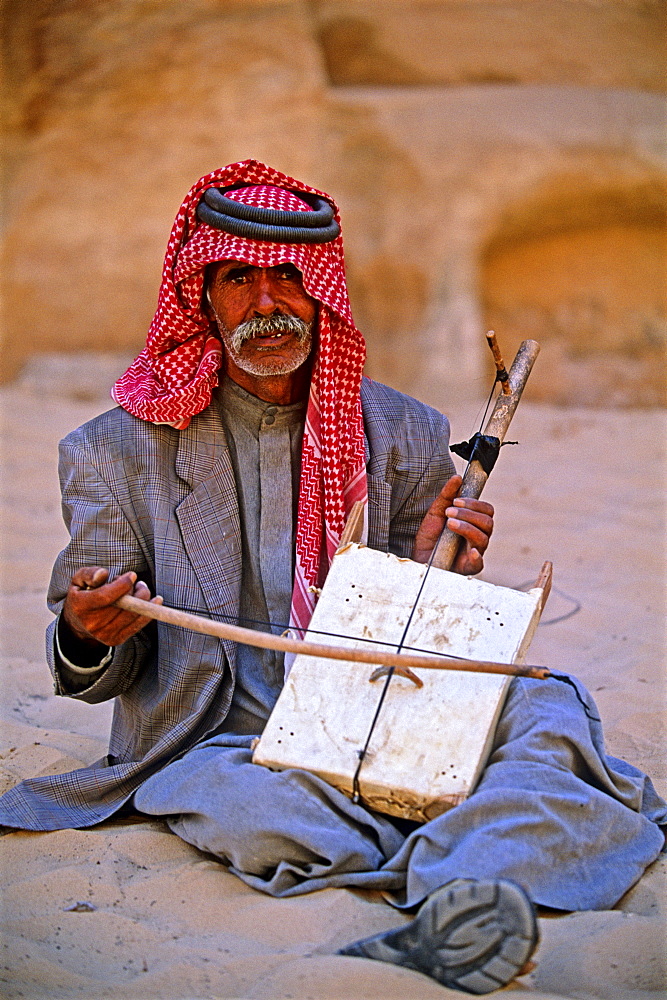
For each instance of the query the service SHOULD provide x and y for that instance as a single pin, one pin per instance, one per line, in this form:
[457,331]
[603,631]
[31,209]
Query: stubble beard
[262,325]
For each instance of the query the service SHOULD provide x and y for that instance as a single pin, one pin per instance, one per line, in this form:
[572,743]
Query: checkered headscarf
[173,377]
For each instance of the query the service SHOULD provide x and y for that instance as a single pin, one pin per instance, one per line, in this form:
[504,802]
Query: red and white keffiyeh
[173,377]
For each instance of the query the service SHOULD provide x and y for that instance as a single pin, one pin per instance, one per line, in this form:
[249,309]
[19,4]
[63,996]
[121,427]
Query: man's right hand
[90,612]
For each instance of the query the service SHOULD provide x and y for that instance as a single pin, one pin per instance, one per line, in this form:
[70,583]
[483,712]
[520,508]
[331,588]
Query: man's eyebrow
[235,270]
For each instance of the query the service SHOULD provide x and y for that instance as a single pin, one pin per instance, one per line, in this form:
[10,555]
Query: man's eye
[289,274]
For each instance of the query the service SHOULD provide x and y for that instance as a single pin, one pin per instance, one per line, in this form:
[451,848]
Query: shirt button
[270,419]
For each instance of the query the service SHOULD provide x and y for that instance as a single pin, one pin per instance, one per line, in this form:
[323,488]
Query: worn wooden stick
[354,526]
[497,425]
[502,375]
[265,640]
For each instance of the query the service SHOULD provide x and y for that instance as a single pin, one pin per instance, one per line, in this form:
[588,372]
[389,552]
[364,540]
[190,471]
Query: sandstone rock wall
[497,162]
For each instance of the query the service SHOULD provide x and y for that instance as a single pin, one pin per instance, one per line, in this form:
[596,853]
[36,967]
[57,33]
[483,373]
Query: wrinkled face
[264,314]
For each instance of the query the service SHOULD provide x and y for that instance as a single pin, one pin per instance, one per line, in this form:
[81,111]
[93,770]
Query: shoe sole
[469,935]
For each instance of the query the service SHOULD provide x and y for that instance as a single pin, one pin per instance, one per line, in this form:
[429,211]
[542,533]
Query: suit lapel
[209,516]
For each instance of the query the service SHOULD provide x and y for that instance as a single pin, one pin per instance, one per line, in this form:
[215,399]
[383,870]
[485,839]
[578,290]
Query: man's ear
[207,305]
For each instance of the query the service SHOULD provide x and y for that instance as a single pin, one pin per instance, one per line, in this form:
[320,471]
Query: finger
[141,591]
[477,538]
[434,518]
[481,521]
[90,577]
[108,593]
[473,504]
[448,492]
[112,625]
[116,632]
[90,611]
[469,562]
[433,522]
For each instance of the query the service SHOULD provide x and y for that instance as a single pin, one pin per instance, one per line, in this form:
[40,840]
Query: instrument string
[361,754]
[482,420]
[237,619]
[356,792]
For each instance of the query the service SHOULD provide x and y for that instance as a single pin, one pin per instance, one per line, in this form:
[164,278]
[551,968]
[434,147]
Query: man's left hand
[471,519]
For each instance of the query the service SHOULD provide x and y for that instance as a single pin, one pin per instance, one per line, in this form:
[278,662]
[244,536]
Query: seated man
[245,433]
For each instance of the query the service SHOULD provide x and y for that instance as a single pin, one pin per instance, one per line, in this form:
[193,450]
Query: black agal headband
[272,224]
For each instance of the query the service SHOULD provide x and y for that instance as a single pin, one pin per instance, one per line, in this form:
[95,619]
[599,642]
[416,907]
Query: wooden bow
[197,623]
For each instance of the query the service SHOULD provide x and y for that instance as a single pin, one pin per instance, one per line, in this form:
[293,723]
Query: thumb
[450,491]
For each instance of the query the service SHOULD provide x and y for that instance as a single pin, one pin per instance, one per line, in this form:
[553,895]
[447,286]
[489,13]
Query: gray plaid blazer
[162,502]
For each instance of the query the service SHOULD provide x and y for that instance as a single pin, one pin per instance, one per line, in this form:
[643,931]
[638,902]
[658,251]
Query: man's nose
[264,298]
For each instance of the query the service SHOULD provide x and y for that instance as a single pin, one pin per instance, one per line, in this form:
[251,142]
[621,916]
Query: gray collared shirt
[265,448]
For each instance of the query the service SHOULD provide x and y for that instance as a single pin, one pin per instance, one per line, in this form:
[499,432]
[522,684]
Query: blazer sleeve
[100,535]
[408,464]
[407,518]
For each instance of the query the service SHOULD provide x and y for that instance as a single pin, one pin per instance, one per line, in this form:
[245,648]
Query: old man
[221,484]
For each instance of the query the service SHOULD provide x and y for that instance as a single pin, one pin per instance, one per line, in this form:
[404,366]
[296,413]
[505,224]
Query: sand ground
[158,919]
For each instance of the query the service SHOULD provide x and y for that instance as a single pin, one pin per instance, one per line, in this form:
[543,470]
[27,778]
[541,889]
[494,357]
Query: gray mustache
[265,325]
